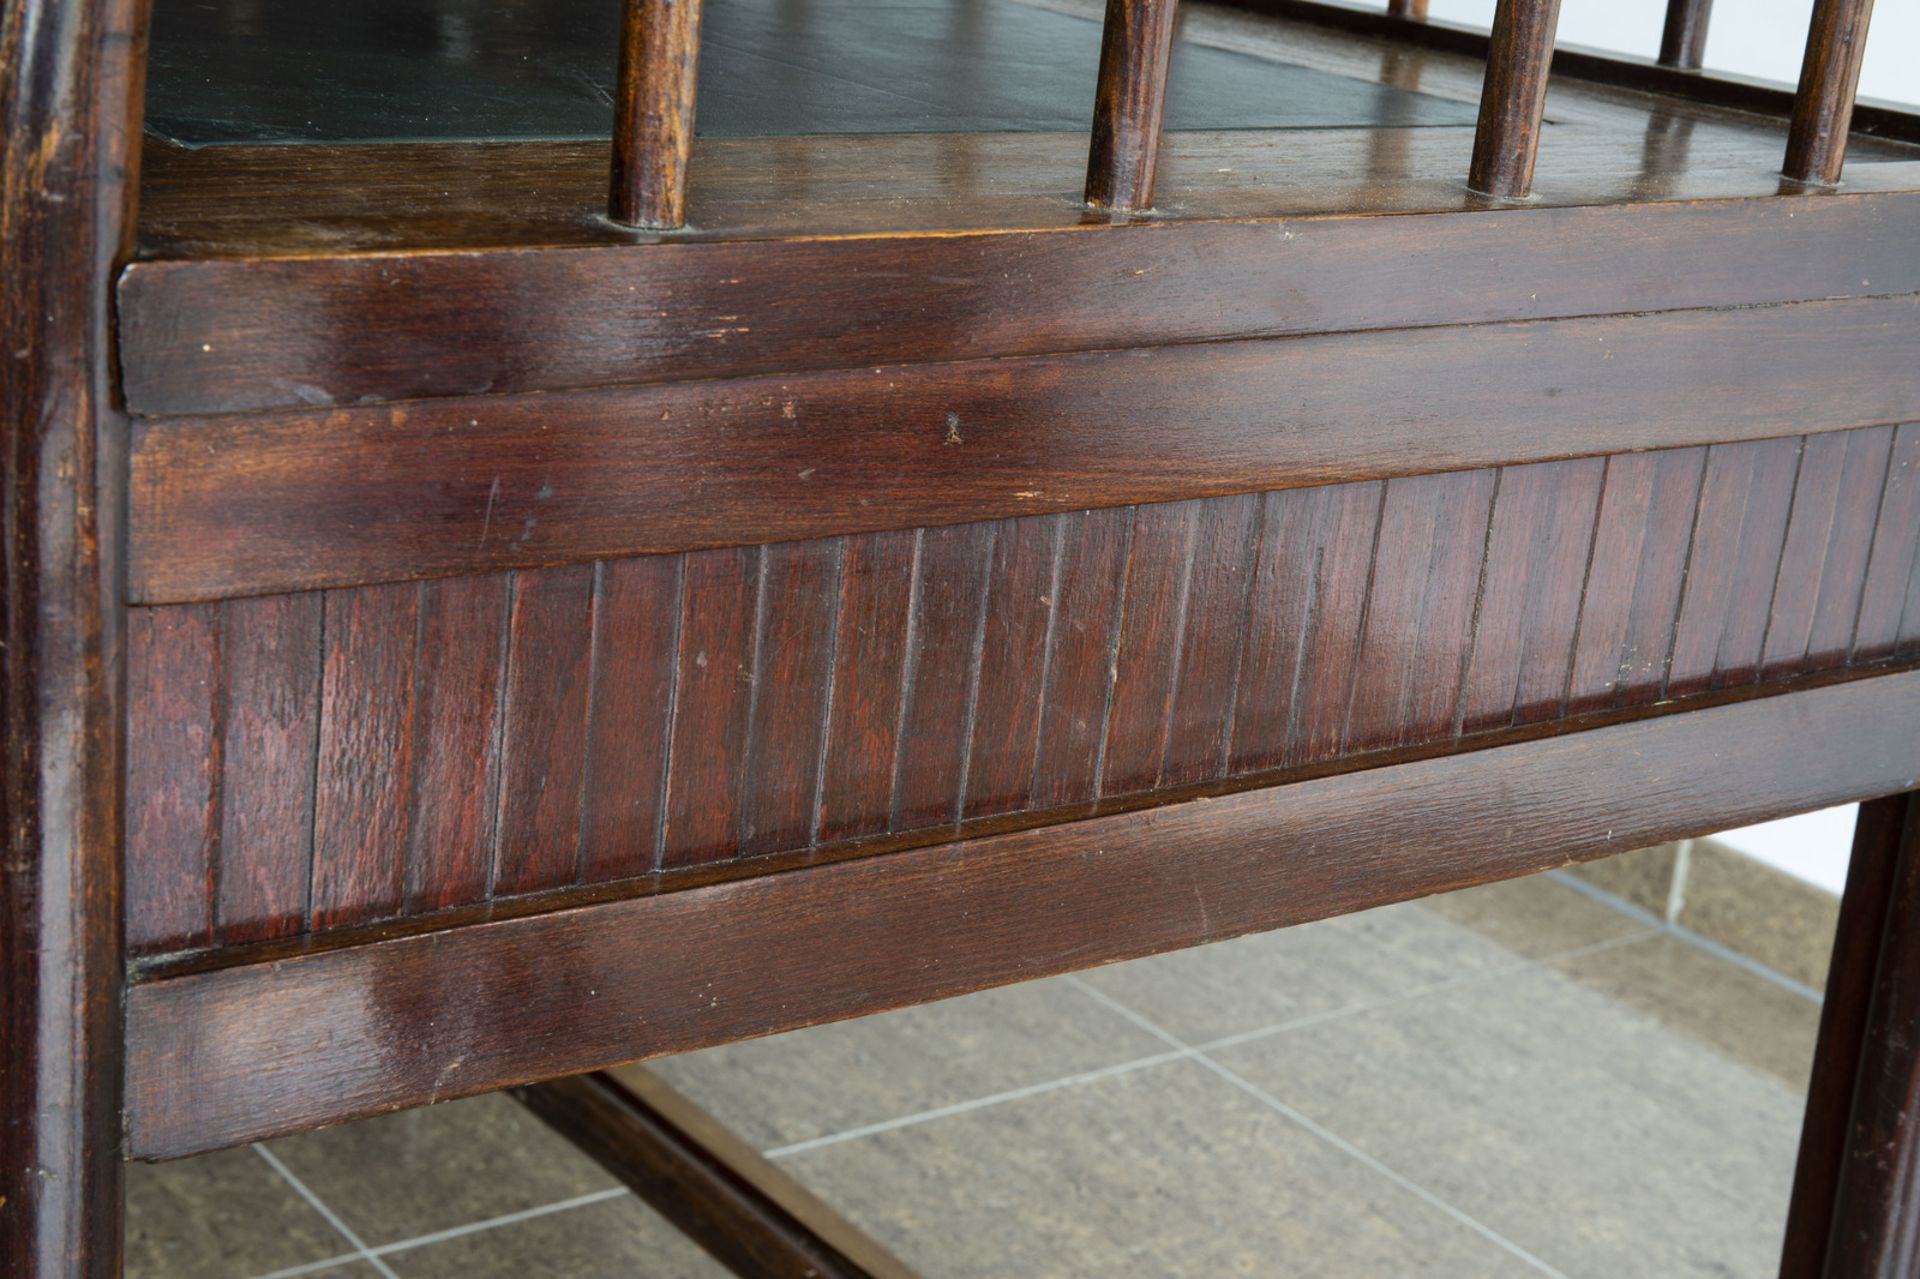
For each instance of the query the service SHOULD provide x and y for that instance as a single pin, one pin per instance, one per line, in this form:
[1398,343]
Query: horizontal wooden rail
[242,505]
[1129,101]
[222,335]
[653,112]
[1683,40]
[1829,80]
[1513,102]
[227,1055]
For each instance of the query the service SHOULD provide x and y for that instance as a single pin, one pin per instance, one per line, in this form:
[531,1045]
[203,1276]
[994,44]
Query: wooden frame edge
[714,1188]
[234,1054]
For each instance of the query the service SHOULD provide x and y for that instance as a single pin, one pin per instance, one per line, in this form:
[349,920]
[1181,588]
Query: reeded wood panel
[317,760]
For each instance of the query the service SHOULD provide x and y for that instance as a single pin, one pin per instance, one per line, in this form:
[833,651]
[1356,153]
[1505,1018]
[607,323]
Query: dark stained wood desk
[466,631]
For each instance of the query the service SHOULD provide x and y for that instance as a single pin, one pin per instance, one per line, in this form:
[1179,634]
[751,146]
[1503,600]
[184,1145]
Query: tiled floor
[1513,1080]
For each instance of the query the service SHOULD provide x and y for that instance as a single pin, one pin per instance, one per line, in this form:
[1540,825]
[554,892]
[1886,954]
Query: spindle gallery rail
[660,45]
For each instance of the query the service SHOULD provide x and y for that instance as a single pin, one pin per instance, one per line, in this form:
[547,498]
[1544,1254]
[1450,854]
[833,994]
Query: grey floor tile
[1643,877]
[1585,1130]
[1244,985]
[827,1079]
[1736,1013]
[419,1171]
[614,1239]
[1164,1171]
[1528,918]
[219,1215]
[1763,913]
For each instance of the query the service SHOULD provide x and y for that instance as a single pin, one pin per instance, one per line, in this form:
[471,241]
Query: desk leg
[1856,1194]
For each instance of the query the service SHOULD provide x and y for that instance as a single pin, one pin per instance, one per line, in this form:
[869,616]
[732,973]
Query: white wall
[1752,37]
[1757,38]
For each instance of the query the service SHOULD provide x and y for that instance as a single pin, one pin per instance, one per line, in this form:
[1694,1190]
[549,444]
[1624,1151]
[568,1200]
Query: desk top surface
[224,71]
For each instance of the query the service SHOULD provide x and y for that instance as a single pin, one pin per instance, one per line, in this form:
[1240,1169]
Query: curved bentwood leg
[1856,1194]
[70,101]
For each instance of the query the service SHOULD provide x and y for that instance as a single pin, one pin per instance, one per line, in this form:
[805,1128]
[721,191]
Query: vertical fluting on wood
[1415,10]
[810,693]
[653,112]
[1683,42]
[1829,77]
[1130,98]
[1514,98]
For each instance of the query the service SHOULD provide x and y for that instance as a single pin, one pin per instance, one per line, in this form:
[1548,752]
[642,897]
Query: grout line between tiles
[319,1206]
[310,1267]
[505,1219]
[1225,1041]
[978,1103]
[1680,932]
[1422,992]
[452,1232]
[1183,1052]
[1323,1133]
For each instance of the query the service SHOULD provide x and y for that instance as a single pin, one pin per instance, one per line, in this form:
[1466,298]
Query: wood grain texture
[1016,669]
[365,752]
[1836,497]
[1683,36]
[1827,1142]
[270,726]
[1130,96]
[71,95]
[1207,672]
[1636,572]
[1095,551]
[1514,99]
[636,671]
[173,777]
[653,111]
[220,334]
[257,504]
[1739,531]
[1146,660]
[1303,627]
[458,682]
[1883,614]
[543,736]
[1829,79]
[793,667]
[1419,615]
[813,693]
[229,1054]
[1875,1224]
[714,1188]
[1539,545]
[713,694]
[870,658]
[945,630]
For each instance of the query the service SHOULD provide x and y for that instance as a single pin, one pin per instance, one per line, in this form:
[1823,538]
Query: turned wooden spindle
[1128,102]
[1514,98]
[1829,78]
[1415,10]
[1683,43]
[653,112]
